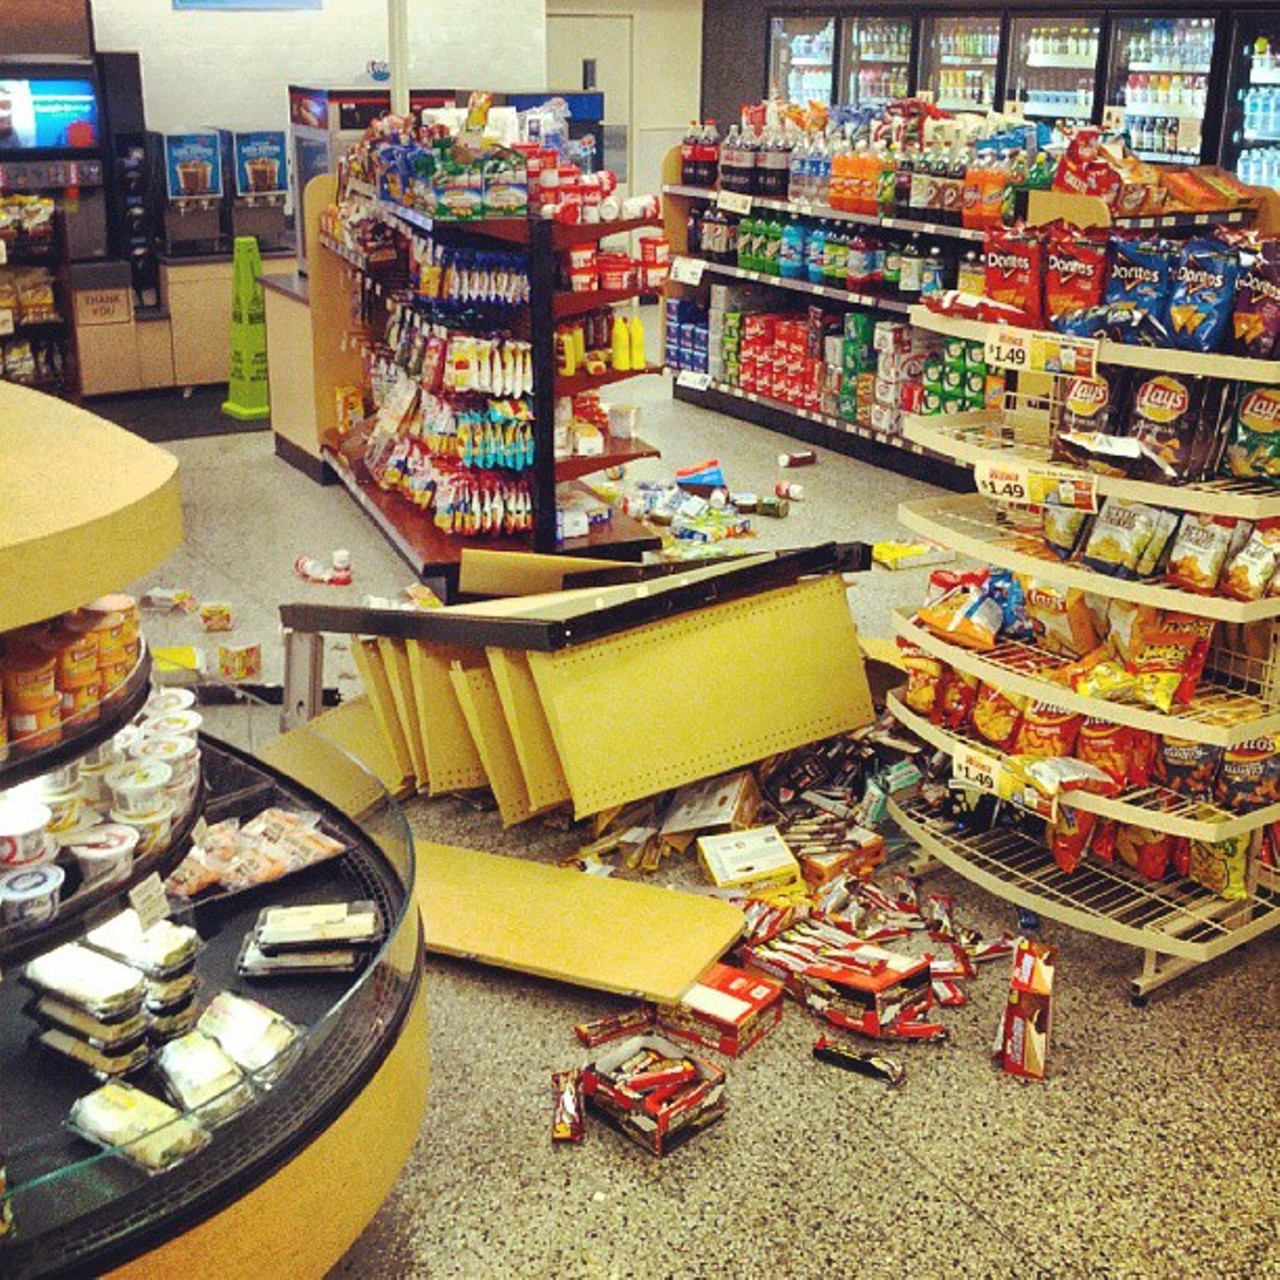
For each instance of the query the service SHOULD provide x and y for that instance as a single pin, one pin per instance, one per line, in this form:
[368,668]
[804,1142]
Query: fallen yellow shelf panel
[591,931]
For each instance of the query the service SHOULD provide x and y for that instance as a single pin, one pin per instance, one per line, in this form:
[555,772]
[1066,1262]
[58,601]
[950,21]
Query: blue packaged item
[1141,273]
[1204,286]
[815,255]
[792,254]
[1005,589]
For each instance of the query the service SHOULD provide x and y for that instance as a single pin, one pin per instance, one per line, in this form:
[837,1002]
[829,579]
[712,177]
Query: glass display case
[1251,122]
[1157,77]
[876,61]
[958,60]
[1053,66]
[802,57]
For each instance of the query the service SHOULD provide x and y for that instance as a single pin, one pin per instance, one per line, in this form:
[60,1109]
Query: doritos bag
[1140,273]
[1204,287]
[1255,316]
[1076,270]
[1014,268]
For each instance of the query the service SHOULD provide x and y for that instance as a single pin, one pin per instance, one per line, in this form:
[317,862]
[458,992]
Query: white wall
[230,68]
[666,73]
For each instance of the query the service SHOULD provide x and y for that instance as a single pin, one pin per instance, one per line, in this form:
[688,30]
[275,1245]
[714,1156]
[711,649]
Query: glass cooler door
[802,56]
[1251,128]
[1053,66]
[958,60]
[876,63]
[1158,75]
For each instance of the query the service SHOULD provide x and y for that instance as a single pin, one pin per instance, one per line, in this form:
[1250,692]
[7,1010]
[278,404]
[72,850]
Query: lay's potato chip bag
[1253,452]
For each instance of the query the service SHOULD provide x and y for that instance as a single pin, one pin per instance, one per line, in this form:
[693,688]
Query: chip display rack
[1175,923]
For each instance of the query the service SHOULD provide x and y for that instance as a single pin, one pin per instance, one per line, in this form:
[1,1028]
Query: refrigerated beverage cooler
[958,60]
[1251,124]
[802,58]
[1158,73]
[876,66]
[1053,66]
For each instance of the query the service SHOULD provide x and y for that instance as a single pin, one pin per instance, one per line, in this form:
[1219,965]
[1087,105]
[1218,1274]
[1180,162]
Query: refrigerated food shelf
[1157,359]
[1174,918]
[975,527]
[1063,62]
[1221,713]
[963,60]
[1163,111]
[1037,112]
[1154,807]
[998,436]
[800,209]
[1190,68]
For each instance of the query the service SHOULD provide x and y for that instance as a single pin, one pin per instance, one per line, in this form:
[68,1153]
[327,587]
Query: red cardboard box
[726,1009]
[1022,1042]
[658,1124]
[868,989]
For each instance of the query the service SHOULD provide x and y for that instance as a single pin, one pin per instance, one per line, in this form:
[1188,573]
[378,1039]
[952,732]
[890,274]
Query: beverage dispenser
[193,221]
[259,186]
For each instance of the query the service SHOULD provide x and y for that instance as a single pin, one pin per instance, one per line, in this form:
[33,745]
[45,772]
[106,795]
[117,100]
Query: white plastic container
[180,752]
[153,828]
[163,701]
[31,894]
[105,853]
[137,787]
[173,724]
[22,825]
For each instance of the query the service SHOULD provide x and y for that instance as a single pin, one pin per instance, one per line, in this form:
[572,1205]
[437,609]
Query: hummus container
[31,894]
[39,724]
[163,701]
[173,724]
[153,829]
[22,824]
[105,853]
[137,787]
[179,752]
[29,678]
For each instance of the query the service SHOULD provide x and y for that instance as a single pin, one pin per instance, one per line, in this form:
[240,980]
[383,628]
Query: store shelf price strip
[733,202]
[1034,484]
[1024,351]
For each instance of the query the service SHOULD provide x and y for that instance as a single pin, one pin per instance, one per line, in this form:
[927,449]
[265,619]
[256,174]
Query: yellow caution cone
[247,393]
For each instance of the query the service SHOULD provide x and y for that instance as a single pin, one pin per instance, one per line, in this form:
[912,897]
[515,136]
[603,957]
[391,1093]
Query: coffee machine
[194,181]
[257,171]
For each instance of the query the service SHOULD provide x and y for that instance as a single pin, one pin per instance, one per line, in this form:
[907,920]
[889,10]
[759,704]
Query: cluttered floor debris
[805,1149]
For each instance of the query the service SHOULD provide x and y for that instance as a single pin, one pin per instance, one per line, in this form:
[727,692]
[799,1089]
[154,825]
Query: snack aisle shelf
[1157,359]
[975,527]
[1219,714]
[1154,807]
[1000,437]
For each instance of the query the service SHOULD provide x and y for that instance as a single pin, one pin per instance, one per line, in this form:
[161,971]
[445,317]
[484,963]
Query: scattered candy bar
[616,1025]
[875,1065]
[567,1123]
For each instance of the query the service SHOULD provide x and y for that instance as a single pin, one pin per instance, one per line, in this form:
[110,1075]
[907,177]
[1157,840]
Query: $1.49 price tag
[976,768]
[1034,484]
[1008,349]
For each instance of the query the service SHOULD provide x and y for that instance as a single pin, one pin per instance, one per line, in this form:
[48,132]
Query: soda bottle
[747,254]
[798,173]
[886,181]
[892,269]
[693,232]
[769,258]
[729,161]
[835,263]
[815,253]
[903,179]
[821,165]
[971,192]
[688,163]
[708,154]
[860,266]
[791,256]
[839,189]
[1040,175]
[910,277]
[933,272]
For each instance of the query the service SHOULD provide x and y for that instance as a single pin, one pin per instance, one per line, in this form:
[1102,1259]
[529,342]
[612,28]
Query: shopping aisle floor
[1150,1151]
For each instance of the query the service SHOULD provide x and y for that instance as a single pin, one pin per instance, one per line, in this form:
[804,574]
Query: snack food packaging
[1249,775]
[101,986]
[1221,866]
[1199,552]
[1189,768]
[1140,274]
[1014,270]
[1094,409]
[727,1009]
[1255,315]
[148,1132]
[1200,302]
[1022,1039]
[163,950]
[1068,836]
[1177,418]
[1147,852]
[997,715]
[1119,536]
[1064,528]
[956,701]
[1253,452]
[1251,570]
[567,1121]
[1076,270]
[259,1040]
[1060,617]
[1046,731]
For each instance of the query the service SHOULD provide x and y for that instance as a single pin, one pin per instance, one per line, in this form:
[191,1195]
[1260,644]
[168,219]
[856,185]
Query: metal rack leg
[303,678]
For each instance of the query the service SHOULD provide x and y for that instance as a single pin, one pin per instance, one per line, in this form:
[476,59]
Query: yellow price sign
[973,768]
[1035,484]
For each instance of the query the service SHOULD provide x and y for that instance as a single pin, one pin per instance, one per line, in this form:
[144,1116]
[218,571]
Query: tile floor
[1152,1151]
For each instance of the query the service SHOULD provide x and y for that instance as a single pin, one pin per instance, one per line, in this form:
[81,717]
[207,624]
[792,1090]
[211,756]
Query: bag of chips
[1254,449]
[1128,626]
[1060,618]
[1092,422]
[1198,632]
[1255,315]
[1177,418]
[1152,560]
[1119,536]
[955,701]
[1204,287]
[1251,570]
[1046,730]
[1140,273]
[1106,746]
[1167,656]
[1064,528]
[1069,836]
[1014,269]
[1133,326]
[1189,768]
[1199,552]
[1076,270]
[924,678]
[1103,844]
[1147,852]
[1249,776]
[1222,867]
[965,616]
[996,715]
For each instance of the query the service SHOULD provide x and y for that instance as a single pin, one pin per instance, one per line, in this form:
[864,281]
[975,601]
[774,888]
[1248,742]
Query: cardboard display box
[756,857]
[727,1009]
[868,989]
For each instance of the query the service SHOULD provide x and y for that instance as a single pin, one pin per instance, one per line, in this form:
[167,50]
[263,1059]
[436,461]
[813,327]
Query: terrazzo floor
[1153,1150]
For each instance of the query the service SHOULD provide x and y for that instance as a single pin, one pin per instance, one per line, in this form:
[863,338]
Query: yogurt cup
[31,894]
[137,787]
[90,821]
[22,823]
[62,778]
[105,853]
[64,808]
[180,752]
[123,740]
[103,756]
[180,795]
[173,724]
[153,829]
[93,782]
[162,701]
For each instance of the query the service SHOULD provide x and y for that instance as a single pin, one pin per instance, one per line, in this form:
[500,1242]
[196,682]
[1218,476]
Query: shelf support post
[303,697]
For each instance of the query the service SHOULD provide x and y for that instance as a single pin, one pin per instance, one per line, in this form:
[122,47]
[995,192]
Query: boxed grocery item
[868,989]
[727,1009]
[1022,1041]
[654,1095]
[755,857]
[730,800]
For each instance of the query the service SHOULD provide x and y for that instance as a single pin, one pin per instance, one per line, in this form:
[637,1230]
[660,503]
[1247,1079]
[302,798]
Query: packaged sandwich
[163,950]
[202,1079]
[106,1062]
[150,1133]
[320,925]
[51,1012]
[258,1039]
[92,982]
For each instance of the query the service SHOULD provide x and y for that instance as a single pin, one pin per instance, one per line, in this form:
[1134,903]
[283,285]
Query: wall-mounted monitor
[51,113]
